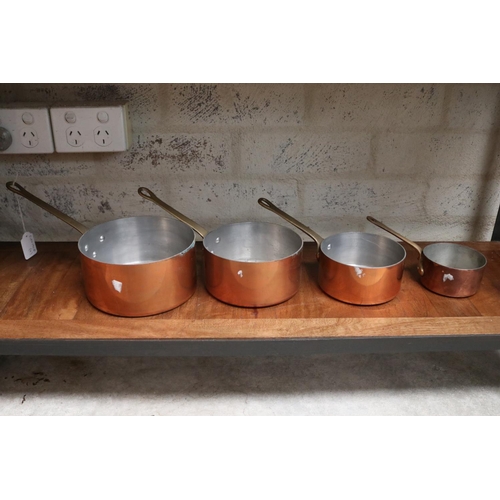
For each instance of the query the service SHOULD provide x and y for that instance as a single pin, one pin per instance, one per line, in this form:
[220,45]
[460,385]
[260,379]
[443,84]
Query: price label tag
[28,244]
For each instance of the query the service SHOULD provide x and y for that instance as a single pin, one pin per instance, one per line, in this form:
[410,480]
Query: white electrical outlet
[25,129]
[91,127]
[74,136]
[103,136]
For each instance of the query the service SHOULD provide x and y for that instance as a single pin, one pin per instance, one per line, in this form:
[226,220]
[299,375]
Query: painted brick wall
[423,158]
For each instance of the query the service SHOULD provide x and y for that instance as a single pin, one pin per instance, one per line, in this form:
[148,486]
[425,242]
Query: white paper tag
[28,244]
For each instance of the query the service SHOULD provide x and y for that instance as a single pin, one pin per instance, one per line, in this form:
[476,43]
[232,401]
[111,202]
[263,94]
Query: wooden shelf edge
[231,329]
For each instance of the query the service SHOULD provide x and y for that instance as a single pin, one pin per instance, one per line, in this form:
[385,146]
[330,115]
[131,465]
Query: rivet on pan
[217,240]
[101,238]
[86,248]
[328,247]
[94,254]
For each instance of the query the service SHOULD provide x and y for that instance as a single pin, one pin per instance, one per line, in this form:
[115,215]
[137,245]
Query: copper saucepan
[247,264]
[135,266]
[446,268]
[357,268]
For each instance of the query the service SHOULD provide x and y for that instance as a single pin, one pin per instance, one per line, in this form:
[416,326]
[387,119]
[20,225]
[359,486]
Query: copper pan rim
[227,227]
[356,234]
[441,245]
[92,233]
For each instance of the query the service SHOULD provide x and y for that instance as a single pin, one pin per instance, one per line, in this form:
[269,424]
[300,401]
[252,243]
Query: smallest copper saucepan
[448,269]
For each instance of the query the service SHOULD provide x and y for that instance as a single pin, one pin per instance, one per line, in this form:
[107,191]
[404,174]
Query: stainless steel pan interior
[253,242]
[364,250]
[136,240]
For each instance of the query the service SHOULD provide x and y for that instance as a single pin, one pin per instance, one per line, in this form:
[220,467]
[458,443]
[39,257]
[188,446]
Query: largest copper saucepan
[357,268]
[135,266]
[247,264]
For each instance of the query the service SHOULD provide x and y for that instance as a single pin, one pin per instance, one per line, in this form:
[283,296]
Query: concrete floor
[460,383]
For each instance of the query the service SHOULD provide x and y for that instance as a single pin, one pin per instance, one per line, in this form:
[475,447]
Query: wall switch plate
[26,129]
[91,127]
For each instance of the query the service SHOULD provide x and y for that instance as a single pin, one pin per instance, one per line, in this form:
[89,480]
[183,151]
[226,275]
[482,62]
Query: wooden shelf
[43,309]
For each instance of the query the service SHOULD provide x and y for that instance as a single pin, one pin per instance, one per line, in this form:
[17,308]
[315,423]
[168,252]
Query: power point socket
[102,136]
[104,127]
[74,137]
[29,137]
[25,129]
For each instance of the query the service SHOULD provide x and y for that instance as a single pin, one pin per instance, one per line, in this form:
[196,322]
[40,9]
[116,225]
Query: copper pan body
[358,283]
[246,264]
[135,266]
[357,268]
[452,281]
[249,284]
[141,289]
[448,269]
[138,266]
[232,277]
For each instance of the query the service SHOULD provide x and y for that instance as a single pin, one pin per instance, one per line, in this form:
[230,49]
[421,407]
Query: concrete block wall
[423,158]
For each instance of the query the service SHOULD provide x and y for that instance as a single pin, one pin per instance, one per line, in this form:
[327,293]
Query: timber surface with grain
[43,298]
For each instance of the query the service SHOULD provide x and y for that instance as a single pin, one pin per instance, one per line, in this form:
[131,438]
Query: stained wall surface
[423,158]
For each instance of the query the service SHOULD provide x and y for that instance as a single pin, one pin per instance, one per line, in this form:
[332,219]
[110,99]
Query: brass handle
[19,190]
[147,194]
[263,202]
[420,266]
